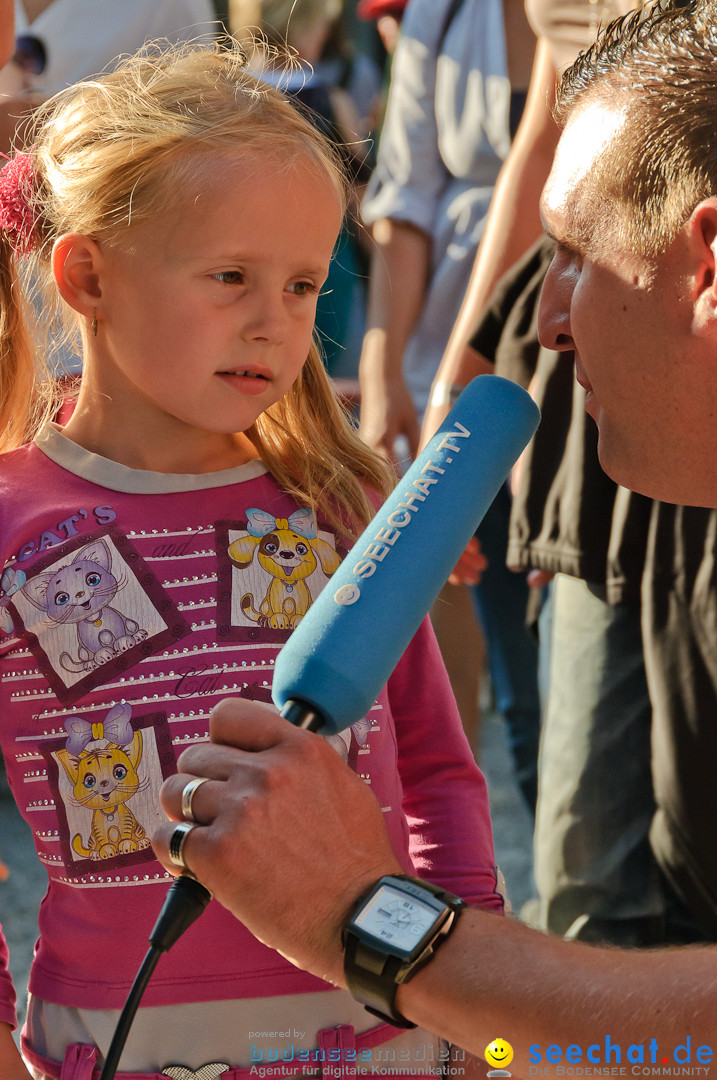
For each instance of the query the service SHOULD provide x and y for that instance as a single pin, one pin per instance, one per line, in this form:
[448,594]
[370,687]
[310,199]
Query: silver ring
[187,796]
[177,841]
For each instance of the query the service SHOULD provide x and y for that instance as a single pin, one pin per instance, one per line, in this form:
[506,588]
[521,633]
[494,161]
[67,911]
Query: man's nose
[554,327]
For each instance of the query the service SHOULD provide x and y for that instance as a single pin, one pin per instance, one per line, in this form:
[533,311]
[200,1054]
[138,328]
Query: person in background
[387,15]
[355,70]
[79,40]
[458,82]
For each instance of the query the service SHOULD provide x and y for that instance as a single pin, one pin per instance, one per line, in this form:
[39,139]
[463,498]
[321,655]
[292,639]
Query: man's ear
[76,266]
[702,240]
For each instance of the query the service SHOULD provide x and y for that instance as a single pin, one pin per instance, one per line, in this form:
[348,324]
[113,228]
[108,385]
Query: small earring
[94,323]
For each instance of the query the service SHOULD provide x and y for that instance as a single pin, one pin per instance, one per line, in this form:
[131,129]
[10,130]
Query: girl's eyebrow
[244,258]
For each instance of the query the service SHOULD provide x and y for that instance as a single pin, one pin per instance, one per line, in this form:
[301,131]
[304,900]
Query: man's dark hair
[660,65]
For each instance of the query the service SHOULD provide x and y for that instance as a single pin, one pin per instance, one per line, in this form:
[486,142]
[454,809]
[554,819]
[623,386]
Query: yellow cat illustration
[103,780]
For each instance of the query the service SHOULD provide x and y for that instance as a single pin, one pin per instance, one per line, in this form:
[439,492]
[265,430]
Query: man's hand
[290,836]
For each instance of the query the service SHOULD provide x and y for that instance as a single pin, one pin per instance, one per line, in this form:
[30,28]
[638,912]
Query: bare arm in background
[7,30]
[402,254]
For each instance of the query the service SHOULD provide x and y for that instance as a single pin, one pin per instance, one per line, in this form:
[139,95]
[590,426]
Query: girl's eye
[229,277]
[302,288]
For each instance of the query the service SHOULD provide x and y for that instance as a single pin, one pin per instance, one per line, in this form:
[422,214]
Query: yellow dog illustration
[289,550]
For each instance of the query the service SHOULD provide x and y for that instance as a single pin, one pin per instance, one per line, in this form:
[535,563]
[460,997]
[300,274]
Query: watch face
[398,919]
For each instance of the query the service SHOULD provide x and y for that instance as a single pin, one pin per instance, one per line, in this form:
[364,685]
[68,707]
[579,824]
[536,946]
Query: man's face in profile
[626,317]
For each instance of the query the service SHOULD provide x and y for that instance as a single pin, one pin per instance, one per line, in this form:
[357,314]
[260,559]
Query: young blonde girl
[158,549]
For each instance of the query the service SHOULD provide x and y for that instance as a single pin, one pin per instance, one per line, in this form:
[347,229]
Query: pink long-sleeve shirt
[131,603]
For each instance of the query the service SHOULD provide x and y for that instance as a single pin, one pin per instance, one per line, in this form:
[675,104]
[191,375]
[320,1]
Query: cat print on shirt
[82,593]
[105,773]
[104,778]
[90,610]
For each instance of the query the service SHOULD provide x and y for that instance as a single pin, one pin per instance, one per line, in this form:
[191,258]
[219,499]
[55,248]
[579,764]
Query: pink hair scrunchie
[17,214]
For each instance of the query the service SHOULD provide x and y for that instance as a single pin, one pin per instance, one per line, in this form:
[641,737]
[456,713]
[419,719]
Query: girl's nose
[266,321]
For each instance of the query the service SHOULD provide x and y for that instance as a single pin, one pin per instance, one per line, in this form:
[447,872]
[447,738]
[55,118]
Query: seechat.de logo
[609,1058]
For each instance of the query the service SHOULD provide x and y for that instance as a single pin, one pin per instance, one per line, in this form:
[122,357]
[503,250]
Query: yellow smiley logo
[499,1053]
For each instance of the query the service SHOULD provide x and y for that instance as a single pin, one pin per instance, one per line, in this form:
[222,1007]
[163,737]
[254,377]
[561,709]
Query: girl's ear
[76,266]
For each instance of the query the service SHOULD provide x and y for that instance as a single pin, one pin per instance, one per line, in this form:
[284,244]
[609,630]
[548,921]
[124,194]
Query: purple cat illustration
[81,593]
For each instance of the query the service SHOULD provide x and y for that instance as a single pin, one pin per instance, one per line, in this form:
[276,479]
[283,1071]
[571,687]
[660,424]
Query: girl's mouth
[247,373]
[246,380]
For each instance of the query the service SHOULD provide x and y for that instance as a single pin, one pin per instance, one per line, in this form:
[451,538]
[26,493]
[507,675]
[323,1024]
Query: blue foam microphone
[334,665]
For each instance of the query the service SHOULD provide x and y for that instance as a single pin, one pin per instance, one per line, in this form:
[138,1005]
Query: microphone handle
[302,715]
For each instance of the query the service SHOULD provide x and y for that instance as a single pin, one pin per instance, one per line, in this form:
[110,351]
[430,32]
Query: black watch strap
[372,980]
[373,973]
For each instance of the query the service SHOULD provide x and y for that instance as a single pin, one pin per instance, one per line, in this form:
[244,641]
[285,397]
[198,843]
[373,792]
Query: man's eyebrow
[573,234]
[566,238]
[548,231]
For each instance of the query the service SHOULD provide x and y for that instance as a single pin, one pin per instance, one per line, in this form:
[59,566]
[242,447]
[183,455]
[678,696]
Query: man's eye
[568,254]
[229,277]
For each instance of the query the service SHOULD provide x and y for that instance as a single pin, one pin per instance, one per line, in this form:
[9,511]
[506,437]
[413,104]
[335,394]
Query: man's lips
[582,378]
[591,405]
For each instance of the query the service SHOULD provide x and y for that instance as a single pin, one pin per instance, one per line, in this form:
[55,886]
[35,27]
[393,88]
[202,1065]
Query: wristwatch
[394,930]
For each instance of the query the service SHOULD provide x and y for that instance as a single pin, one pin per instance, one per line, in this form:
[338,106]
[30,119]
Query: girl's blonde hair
[112,152]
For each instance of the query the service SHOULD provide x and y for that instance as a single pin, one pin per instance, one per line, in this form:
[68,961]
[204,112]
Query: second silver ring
[176,844]
[188,793]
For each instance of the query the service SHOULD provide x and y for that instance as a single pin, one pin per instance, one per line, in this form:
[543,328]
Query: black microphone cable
[185,901]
